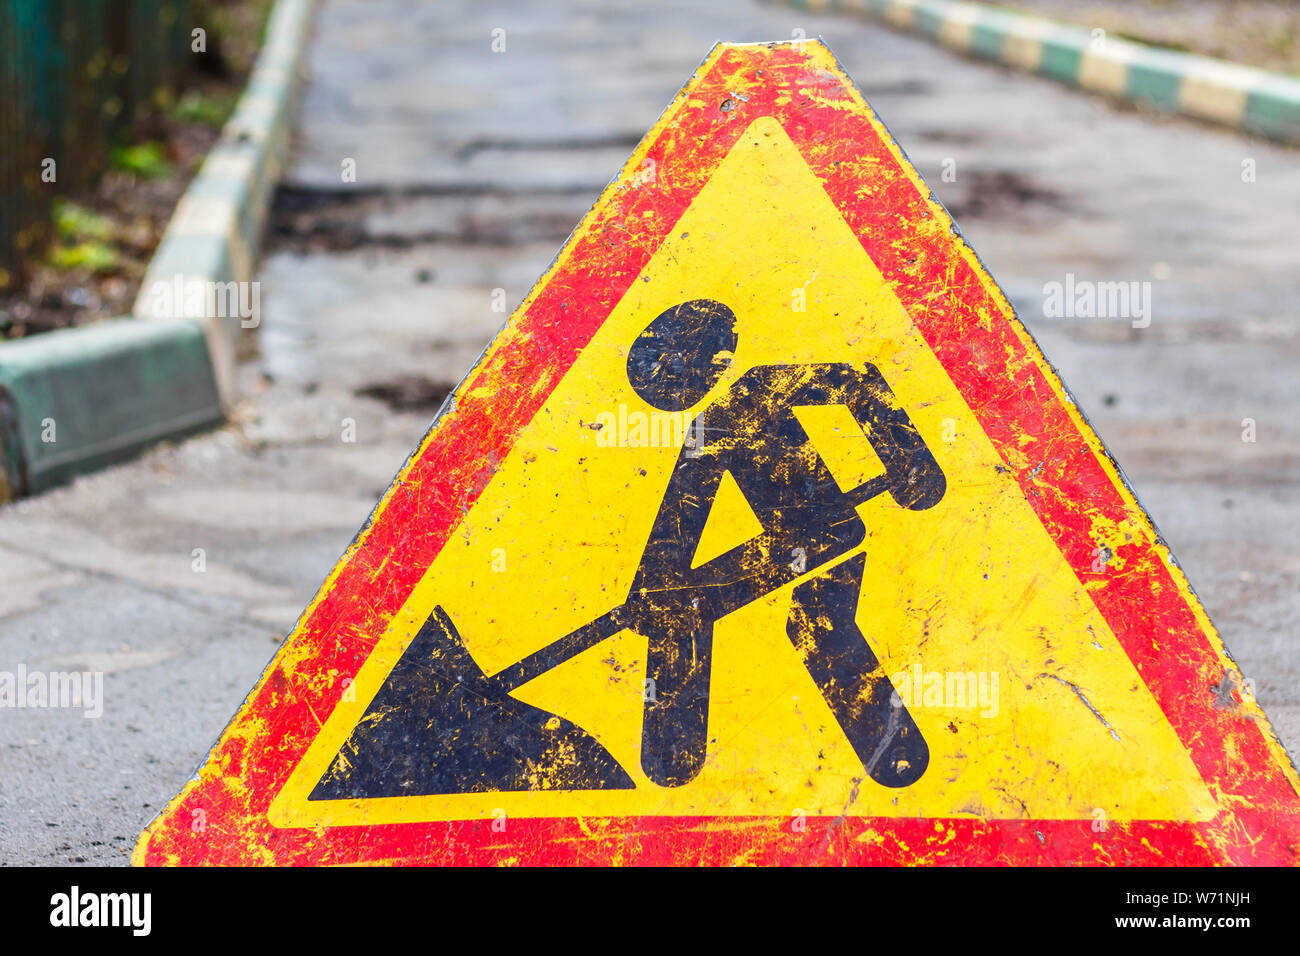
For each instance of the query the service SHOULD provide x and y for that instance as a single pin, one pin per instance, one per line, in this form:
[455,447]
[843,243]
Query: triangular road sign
[763,533]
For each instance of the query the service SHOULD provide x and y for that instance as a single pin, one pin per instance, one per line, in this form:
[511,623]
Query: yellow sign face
[1028,705]
[763,533]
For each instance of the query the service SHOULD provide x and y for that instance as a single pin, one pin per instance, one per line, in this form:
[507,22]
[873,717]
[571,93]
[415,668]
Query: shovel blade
[438,725]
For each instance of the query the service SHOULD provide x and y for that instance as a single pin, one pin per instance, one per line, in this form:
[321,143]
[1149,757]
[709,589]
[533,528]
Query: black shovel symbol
[440,725]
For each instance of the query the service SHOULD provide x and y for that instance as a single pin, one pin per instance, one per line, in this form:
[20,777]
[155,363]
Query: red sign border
[1044,441]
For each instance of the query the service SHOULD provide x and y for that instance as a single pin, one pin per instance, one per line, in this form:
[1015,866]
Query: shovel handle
[554,654]
[868,490]
[607,625]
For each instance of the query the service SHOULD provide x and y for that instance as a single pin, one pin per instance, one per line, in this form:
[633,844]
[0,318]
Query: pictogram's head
[681,355]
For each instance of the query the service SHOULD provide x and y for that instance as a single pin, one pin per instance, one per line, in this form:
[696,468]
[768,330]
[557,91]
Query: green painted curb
[78,399]
[1252,100]
[214,234]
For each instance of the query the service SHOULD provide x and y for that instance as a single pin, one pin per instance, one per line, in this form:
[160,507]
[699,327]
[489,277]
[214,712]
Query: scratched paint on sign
[763,533]
[972,585]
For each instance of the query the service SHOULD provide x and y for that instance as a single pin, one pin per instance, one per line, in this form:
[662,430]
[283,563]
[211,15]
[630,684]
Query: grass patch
[145,160]
[73,222]
[202,109]
[84,240]
[91,256]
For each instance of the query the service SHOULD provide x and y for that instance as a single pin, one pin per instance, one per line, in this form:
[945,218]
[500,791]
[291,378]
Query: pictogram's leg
[860,695]
[674,734]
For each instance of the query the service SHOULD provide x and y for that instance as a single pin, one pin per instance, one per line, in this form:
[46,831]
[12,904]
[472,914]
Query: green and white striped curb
[78,399]
[1256,101]
[213,236]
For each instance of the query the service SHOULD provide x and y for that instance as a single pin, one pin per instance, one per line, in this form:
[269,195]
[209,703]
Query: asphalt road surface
[471,168]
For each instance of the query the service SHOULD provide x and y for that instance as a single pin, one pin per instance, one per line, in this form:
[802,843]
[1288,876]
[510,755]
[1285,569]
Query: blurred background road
[471,168]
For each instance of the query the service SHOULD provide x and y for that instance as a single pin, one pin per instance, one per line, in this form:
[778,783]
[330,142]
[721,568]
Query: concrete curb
[1252,100]
[212,239]
[75,400]
[79,399]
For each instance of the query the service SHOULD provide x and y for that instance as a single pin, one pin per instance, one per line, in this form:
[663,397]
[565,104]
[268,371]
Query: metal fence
[75,75]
